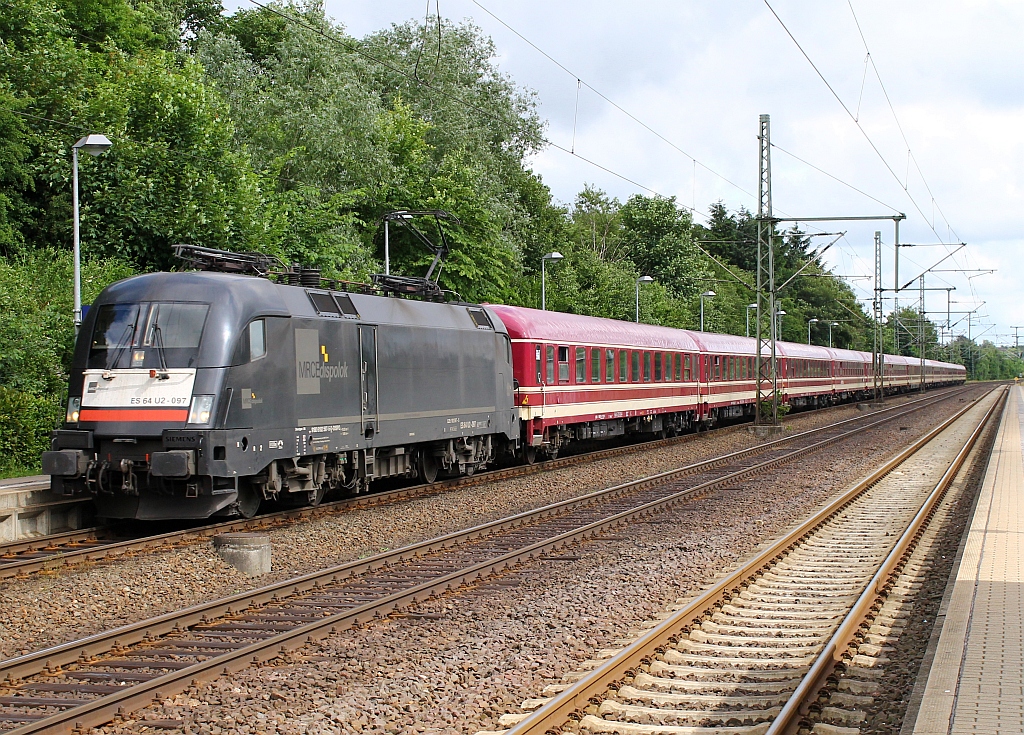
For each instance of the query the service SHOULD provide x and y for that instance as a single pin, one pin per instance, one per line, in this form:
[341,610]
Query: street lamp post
[641,279]
[555,257]
[707,294]
[809,323]
[93,144]
[749,307]
[830,325]
[778,329]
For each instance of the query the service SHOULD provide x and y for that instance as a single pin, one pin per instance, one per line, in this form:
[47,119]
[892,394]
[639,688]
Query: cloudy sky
[940,100]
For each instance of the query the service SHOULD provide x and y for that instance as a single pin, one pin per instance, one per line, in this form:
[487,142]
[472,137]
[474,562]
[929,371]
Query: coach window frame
[563,363]
[549,364]
[595,364]
[609,366]
[581,365]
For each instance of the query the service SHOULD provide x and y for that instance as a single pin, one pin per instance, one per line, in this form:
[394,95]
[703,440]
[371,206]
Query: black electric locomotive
[199,393]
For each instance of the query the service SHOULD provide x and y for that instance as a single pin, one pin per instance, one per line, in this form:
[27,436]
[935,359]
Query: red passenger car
[580,377]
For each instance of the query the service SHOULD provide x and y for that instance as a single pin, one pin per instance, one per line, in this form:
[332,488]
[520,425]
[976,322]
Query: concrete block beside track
[247,552]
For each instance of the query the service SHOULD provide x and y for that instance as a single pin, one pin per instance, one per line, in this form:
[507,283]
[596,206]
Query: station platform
[28,509]
[976,680]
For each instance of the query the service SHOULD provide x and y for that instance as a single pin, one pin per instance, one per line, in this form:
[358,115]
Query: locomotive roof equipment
[427,286]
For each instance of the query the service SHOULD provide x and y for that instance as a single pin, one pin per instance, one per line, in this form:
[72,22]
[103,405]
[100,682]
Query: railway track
[88,682]
[763,650]
[48,553]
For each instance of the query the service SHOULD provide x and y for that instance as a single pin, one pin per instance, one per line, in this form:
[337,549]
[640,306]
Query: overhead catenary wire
[853,117]
[833,177]
[611,102]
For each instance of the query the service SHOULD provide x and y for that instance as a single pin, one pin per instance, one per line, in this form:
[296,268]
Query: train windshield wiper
[158,343]
[127,339]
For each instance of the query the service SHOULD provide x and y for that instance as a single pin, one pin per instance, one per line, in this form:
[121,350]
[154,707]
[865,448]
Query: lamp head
[812,321]
[751,306]
[709,294]
[553,256]
[781,312]
[94,144]
[645,279]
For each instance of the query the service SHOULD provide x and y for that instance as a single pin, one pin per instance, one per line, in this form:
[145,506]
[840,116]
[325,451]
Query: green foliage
[38,334]
[36,320]
[173,174]
[25,425]
[984,361]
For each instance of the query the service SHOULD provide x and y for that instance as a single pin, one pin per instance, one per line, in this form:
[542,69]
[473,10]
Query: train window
[679,367]
[257,339]
[540,373]
[324,303]
[344,303]
[635,377]
[550,365]
[623,357]
[647,367]
[609,366]
[563,364]
[581,365]
[717,373]
[658,364]
[481,319]
[686,368]
[595,365]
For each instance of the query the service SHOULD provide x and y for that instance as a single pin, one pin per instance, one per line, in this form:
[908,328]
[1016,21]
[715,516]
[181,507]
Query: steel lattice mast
[767,409]
[878,346]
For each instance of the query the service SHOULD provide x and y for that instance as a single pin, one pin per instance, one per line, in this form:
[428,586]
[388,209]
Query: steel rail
[795,708]
[10,568]
[43,543]
[60,557]
[102,709]
[572,701]
[70,652]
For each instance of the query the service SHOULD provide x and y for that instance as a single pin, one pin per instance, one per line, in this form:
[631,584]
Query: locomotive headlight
[200,410]
[74,407]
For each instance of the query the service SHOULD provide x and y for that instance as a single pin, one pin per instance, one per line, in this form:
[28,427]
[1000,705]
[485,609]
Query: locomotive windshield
[147,335]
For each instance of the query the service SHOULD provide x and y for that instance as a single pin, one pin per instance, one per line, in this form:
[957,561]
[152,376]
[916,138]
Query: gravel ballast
[76,601]
[458,663]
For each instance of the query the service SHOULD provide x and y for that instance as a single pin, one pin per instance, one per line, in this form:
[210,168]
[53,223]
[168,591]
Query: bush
[25,425]
[38,334]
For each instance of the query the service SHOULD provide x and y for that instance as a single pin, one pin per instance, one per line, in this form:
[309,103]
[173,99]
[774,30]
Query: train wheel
[428,468]
[530,455]
[248,501]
